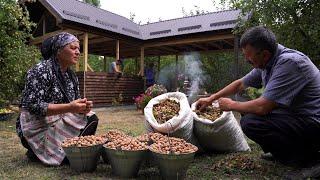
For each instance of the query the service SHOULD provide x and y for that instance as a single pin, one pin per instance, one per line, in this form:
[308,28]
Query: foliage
[116,101]
[155,90]
[96,62]
[5,110]
[296,23]
[129,67]
[15,56]
[93,2]
[142,100]
[221,69]
[254,93]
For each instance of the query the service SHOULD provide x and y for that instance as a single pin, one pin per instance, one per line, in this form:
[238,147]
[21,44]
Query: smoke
[191,67]
[166,77]
[193,70]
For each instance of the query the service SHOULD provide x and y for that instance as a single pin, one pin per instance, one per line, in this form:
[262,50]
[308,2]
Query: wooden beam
[85,51]
[40,39]
[169,49]
[89,67]
[118,50]
[99,40]
[215,45]
[191,40]
[199,46]
[229,43]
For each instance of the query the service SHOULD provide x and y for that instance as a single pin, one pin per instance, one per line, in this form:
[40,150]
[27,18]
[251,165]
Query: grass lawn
[246,165]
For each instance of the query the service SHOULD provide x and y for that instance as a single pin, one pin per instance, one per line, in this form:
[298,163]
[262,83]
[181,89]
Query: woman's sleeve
[36,90]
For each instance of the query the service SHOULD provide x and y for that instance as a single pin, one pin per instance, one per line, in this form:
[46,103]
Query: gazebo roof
[206,32]
[90,15]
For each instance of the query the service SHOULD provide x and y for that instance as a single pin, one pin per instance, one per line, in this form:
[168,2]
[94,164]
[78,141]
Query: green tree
[296,23]
[15,56]
[93,2]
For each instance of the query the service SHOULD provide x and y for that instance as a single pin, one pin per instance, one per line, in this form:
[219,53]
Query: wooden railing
[107,89]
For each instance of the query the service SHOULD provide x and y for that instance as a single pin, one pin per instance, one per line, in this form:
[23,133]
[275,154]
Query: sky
[151,10]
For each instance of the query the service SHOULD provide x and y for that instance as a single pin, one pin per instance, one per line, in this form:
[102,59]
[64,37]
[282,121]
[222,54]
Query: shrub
[142,100]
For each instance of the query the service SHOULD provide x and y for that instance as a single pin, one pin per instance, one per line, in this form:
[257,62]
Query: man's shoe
[267,157]
[312,172]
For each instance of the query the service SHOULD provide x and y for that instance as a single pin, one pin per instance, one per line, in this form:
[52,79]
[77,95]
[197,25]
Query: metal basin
[125,164]
[104,156]
[149,161]
[83,159]
[173,166]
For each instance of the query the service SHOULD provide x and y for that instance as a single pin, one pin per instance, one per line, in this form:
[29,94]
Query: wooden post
[85,51]
[176,72]
[44,26]
[236,57]
[78,66]
[141,72]
[142,61]
[159,64]
[136,66]
[105,63]
[158,73]
[118,50]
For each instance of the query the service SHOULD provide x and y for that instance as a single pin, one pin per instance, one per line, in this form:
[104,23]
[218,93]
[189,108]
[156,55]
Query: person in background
[285,119]
[51,108]
[149,74]
[115,67]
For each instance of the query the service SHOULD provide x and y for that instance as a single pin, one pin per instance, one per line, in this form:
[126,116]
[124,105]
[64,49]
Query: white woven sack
[223,134]
[180,126]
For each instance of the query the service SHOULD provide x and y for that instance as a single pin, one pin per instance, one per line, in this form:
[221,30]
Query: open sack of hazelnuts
[218,130]
[170,113]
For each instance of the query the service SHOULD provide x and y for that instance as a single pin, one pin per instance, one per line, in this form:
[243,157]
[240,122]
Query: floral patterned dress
[43,133]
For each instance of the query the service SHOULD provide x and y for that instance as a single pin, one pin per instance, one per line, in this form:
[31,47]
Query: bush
[16,57]
[142,100]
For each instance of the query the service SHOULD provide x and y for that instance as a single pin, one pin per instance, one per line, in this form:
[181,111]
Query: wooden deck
[107,89]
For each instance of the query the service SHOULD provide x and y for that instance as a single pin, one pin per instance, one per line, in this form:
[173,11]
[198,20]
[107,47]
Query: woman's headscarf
[49,49]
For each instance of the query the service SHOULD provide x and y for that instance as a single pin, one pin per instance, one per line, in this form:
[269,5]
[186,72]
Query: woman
[51,107]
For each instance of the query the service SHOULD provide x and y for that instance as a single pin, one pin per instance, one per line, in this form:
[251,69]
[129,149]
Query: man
[115,67]
[285,120]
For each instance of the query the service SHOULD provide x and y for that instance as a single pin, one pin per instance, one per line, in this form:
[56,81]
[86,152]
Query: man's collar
[270,63]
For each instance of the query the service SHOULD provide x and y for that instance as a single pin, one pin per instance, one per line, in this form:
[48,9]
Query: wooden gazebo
[110,35]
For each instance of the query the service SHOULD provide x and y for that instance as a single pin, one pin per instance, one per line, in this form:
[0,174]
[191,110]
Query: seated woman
[51,107]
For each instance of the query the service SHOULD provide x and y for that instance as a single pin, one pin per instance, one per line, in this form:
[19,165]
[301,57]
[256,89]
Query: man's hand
[202,103]
[225,104]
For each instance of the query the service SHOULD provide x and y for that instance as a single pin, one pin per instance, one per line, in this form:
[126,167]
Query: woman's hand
[89,105]
[80,106]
